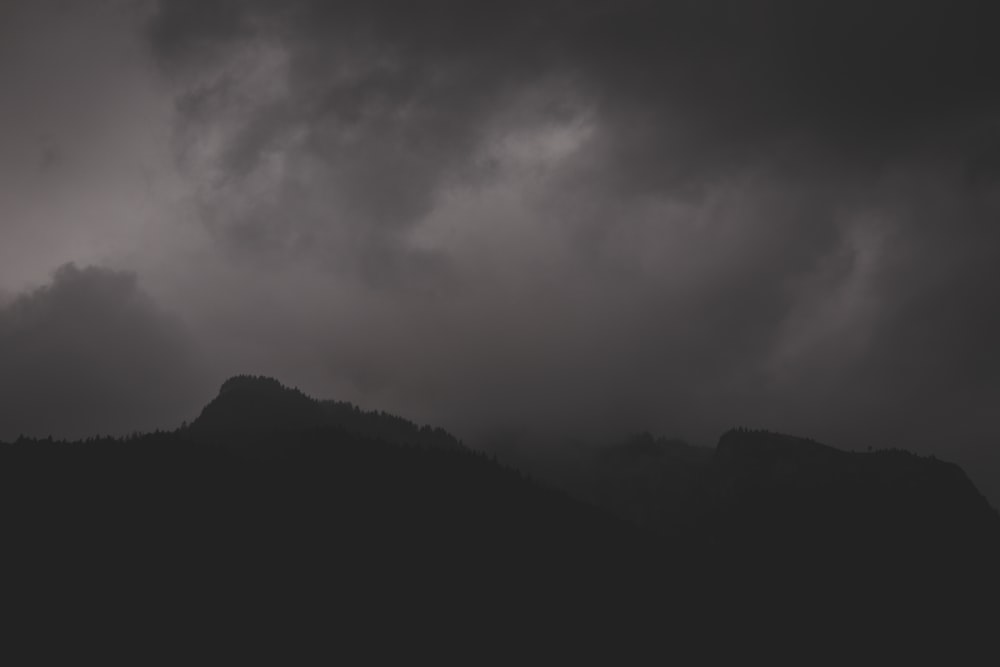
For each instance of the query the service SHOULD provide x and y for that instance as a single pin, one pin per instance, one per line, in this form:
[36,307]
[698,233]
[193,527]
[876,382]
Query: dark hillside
[182,532]
[274,519]
[248,408]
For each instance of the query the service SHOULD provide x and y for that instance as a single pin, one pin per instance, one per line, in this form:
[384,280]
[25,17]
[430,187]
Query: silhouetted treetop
[251,405]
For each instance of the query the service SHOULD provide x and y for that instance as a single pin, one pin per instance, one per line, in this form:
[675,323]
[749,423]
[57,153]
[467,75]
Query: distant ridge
[769,458]
[766,493]
[779,499]
[759,444]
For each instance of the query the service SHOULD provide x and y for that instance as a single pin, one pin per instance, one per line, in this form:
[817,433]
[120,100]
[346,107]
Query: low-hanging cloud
[89,353]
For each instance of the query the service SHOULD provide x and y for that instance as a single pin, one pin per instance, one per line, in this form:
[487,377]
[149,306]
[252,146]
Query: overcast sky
[535,220]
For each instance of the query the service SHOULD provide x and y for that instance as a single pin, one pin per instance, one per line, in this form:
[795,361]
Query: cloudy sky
[537,220]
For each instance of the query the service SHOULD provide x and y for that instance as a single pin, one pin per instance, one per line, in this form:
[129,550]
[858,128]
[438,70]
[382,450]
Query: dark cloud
[575,219]
[89,353]
[856,71]
[375,109]
[594,216]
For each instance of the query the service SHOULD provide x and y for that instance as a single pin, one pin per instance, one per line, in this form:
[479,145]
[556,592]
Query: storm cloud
[561,220]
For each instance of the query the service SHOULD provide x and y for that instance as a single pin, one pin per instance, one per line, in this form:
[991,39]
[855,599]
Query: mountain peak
[252,383]
[251,406]
[747,444]
[251,403]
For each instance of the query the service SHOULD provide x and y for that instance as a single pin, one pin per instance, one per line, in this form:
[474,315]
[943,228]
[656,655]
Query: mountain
[862,507]
[274,519]
[354,524]
[760,492]
[253,409]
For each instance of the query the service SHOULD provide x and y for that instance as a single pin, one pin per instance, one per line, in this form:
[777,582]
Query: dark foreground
[277,528]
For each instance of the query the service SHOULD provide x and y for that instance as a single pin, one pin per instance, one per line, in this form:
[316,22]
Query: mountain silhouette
[858,507]
[274,518]
[253,409]
[779,526]
[762,493]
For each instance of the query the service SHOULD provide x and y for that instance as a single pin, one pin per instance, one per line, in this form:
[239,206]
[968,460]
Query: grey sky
[545,219]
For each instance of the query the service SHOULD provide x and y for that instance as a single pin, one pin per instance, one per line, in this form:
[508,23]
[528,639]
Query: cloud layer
[88,354]
[574,219]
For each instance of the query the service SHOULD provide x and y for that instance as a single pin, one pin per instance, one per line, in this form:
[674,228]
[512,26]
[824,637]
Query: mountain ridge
[247,405]
[351,514]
